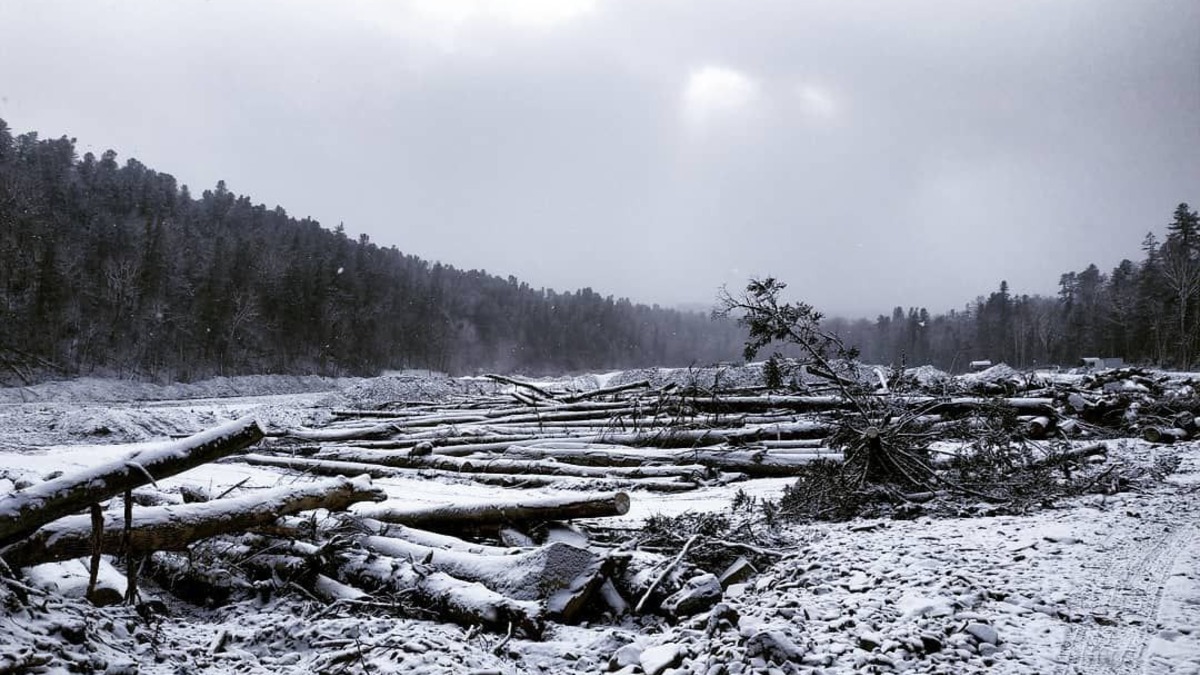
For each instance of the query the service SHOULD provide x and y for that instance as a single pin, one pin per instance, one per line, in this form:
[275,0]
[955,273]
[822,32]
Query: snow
[1096,584]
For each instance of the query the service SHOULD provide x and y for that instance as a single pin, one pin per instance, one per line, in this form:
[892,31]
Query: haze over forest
[115,268]
[872,154]
[930,167]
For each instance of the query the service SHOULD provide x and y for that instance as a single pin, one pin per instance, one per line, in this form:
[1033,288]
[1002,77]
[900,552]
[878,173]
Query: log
[530,575]
[567,407]
[605,391]
[757,463]
[454,517]
[1038,427]
[462,602]
[510,466]
[344,433]
[524,385]
[563,576]
[24,511]
[1164,434]
[173,528]
[433,540]
[323,467]
[72,579]
[209,584]
[1071,455]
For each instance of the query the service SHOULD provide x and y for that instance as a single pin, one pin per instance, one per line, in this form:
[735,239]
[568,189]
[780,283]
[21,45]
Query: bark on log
[595,406]
[604,391]
[524,385]
[1074,454]
[1164,435]
[561,575]
[173,528]
[208,584]
[72,579]
[377,431]
[454,517]
[759,463]
[1038,427]
[753,463]
[510,466]
[464,603]
[24,511]
[433,540]
[322,467]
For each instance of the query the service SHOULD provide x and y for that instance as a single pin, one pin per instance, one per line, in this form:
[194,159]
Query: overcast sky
[871,154]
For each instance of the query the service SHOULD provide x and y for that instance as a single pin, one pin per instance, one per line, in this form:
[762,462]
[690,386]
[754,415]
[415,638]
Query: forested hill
[1146,312]
[116,269]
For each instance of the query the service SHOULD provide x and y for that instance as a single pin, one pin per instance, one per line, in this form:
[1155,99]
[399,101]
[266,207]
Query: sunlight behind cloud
[714,93]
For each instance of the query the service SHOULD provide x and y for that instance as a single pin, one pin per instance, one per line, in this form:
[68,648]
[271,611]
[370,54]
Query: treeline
[116,269]
[1145,312]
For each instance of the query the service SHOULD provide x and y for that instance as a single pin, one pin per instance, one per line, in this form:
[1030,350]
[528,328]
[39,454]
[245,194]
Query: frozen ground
[1099,585]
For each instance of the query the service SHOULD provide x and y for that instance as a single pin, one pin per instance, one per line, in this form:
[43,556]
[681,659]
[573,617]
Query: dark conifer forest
[1147,312]
[113,268]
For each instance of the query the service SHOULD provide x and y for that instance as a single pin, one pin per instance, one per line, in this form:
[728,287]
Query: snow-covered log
[524,385]
[24,511]
[376,431]
[562,575]
[1164,434]
[509,466]
[752,463]
[325,467]
[172,528]
[433,540]
[71,579]
[605,391]
[455,517]
[463,602]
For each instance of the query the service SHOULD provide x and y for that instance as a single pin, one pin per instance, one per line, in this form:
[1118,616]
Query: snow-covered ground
[1100,584]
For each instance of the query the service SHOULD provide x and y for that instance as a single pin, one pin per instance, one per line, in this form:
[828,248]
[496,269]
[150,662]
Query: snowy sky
[870,153]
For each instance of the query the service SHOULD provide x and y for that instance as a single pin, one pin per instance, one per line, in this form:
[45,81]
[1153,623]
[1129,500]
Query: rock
[740,571]
[987,649]
[983,633]
[655,660]
[858,583]
[773,646]
[931,643]
[914,605]
[698,594]
[630,654]
[721,618]
[869,641]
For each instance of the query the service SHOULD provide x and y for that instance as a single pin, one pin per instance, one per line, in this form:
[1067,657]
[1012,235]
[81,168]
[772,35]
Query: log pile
[513,564]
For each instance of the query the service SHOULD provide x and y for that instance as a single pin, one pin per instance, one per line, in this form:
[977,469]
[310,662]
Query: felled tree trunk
[757,463]
[344,434]
[502,465]
[455,517]
[172,528]
[562,575]
[24,511]
[324,467]
[604,391]
[465,603]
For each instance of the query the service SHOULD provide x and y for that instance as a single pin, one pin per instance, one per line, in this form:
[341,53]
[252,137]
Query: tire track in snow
[1119,601]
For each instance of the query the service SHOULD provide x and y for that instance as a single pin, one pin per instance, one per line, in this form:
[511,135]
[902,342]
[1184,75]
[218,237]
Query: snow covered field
[1099,584]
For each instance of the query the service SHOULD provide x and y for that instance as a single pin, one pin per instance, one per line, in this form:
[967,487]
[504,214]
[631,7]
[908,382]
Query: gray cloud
[871,153]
